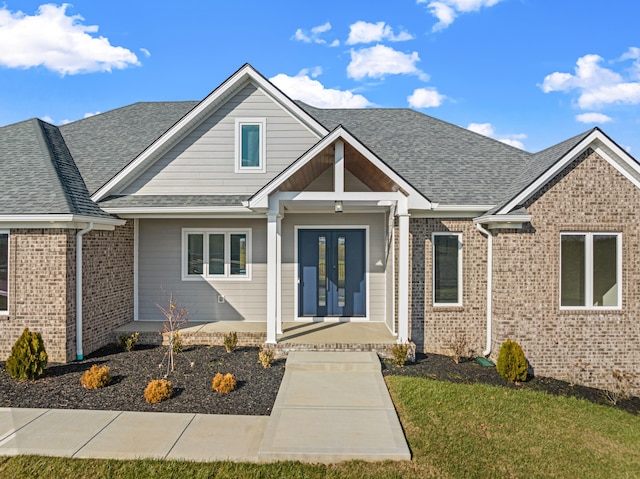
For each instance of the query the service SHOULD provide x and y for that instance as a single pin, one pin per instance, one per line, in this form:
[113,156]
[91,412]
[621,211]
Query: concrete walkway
[330,407]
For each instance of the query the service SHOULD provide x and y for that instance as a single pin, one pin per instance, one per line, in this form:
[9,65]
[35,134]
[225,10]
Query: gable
[203,163]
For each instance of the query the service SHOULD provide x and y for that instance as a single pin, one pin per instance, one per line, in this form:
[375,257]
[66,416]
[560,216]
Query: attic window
[250,145]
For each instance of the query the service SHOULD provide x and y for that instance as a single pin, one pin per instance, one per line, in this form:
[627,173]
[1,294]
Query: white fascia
[59,221]
[243,75]
[452,211]
[606,148]
[502,221]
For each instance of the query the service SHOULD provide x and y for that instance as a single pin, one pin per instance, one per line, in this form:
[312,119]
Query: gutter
[79,235]
[487,350]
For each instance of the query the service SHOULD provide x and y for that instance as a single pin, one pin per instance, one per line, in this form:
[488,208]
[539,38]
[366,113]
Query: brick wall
[589,196]
[433,327]
[38,289]
[42,288]
[107,277]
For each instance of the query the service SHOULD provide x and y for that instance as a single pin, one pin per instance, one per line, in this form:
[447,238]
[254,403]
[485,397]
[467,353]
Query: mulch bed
[257,387]
[434,366]
[60,387]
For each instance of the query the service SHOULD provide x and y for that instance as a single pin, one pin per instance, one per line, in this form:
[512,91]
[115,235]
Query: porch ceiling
[311,171]
[367,172]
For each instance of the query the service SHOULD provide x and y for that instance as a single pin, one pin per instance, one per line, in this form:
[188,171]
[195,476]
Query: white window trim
[589,271]
[262,167]
[227,276]
[5,312]
[433,269]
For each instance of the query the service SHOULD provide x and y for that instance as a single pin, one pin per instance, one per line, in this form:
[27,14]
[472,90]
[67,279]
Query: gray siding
[203,162]
[324,182]
[377,258]
[160,274]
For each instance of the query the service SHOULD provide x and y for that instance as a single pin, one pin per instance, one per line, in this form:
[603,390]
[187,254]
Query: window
[4,272]
[590,270]
[250,145]
[447,269]
[214,253]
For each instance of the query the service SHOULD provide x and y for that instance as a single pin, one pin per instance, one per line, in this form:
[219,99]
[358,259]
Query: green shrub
[224,384]
[158,390]
[265,357]
[128,341]
[230,341]
[97,377]
[28,357]
[512,364]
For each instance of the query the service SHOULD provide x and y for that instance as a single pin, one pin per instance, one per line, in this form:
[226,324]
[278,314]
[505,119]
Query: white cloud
[89,114]
[302,87]
[380,60]
[58,42]
[446,11]
[487,129]
[146,52]
[598,86]
[364,32]
[313,36]
[593,118]
[425,98]
[48,119]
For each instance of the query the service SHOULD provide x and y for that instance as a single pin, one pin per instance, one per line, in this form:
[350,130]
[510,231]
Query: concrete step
[332,361]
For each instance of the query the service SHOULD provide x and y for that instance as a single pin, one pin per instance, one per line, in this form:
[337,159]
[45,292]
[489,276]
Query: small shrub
[512,364]
[28,357]
[97,377]
[577,373]
[230,341]
[176,344]
[619,385]
[460,348]
[265,357]
[224,384]
[128,341]
[400,353]
[158,390]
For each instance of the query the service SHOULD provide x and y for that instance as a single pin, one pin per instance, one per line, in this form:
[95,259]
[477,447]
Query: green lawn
[454,430]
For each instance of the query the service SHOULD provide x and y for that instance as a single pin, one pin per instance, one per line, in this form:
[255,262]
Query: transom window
[590,270]
[215,253]
[4,272]
[447,269]
[250,145]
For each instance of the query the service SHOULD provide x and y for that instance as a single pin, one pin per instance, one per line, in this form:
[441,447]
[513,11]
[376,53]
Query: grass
[454,430]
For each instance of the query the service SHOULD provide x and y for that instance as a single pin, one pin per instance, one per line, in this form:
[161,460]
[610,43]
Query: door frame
[296,271]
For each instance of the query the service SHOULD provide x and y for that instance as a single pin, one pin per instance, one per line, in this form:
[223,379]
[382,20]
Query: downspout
[79,235]
[487,350]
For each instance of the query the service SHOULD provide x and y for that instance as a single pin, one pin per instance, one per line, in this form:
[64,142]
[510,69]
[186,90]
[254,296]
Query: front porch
[296,336]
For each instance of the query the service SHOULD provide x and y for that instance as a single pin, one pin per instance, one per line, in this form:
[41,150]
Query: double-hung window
[447,269]
[250,145]
[590,270]
[216,254]
[4,272]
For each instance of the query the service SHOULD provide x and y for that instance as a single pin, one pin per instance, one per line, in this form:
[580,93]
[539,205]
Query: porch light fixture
[337,207]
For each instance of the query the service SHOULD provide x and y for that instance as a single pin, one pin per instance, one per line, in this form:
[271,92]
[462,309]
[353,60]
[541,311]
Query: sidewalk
[330,407]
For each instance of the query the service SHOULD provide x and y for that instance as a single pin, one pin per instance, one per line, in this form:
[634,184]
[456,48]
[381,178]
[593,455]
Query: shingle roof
[104,144]
[38,173]
[449,164]
[172,201]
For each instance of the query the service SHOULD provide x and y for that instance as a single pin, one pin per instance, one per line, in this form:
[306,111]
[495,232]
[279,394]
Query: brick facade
[433,327]
[42,288]
[589,196]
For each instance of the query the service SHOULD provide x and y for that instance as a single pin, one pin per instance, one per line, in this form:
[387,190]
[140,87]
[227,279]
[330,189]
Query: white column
[279,273]
[338,170]
[403,271]
[272,277]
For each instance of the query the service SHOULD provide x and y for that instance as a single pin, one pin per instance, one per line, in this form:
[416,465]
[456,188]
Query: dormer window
[250,145]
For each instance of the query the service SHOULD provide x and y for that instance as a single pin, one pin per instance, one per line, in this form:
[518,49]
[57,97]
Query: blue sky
[527,72]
